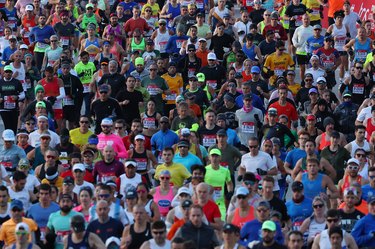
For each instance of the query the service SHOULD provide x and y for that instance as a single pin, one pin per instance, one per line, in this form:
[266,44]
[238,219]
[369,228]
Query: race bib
[191,72]
[217,195]
[224,164]
[42,45]
[340,40]
[26,85]
[86,88]
[7,164]
[153,90]
[179,43]
[160,158]
[200,4]
[315,11]
[298,21]
[278,72]
[149,123]
[57,105]
[361,55]
[358,89]
[141,164]
[248,127]
[42,233]
[60,235]
[171,96]
[106,177]
[209,140]
[212,83]
[248,3]
[162,46]
[68,100]
[9,102]
[297,225]
[64,40]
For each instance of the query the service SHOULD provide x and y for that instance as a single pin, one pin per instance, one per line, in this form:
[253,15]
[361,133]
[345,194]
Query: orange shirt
[176,225]
[361,207]
[334,5]
[203,56]
[289,110]
[240,221]
[7,231]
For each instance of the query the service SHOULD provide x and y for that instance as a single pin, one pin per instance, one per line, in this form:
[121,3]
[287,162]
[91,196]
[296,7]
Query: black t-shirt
[267,48]
[296,11]
[256,16]
[218,43]
[111,228]
[262,84]
[64,30]
[104,109]
[7,90]
[273,246]
[116,81]
[214,75]
[131,110]
[208,137]
[348,220]
[279,205]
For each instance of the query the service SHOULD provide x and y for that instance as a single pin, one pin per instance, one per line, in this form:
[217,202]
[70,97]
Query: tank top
[55,19]
[161,40]
[370,128]
[38,158]
[150,121]
[250,52]
[323,142]
[175,11]
[84,244]
[324,242]
[218,15]
[315,228]
[141,159]
[117,31]
[153,244]
[361,50]
[358,89]
[93,48]
[21,74]
[140,47]
[42,172]
[115,51]
[86,20]
[51,88]
[148,208]
[27,25]
[340,35]
[139,238]
[313,187]
[164,202]
[346,183]
[240,221]
[178,215]
[355,146]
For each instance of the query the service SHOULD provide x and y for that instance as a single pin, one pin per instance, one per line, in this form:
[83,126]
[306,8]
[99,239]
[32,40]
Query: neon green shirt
[88,70]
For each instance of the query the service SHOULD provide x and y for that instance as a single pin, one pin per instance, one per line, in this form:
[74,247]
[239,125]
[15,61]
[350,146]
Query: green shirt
[88,71]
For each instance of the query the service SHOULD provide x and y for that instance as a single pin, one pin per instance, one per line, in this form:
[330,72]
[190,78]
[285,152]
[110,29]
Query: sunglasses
[51,157]
[53,40]
[103,92]
[161,24]
[84,122]
[106,126]
[163,122]
[253,146]
[318,206]
[360,155]
[87,155]
[148,11]
[241,196]
[371,177]
[353,167]
[21,233]
[141,191]
[44,138]
[262,210]
[23,166]
[249,183]
[359,68]
[165,178]
[332,220]
[104,196]
[158,232]
[119,128]
[16,210]
[152,69]
[28,123]
[191,50]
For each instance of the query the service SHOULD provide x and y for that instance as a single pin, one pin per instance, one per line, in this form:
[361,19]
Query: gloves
[239,178]
[51,99]
[229,195]
[261,172]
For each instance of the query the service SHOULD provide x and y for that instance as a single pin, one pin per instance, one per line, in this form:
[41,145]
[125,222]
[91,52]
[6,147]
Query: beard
[66,209]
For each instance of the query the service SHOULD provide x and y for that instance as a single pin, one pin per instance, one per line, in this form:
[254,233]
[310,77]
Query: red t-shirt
[212,211]
[88,176]
[289,110]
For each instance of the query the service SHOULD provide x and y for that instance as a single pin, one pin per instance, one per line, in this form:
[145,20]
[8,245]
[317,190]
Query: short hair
[335,230]
[371,169]
[105,187]
[312,160]
[311,141]
[88,190]
[50,69]
[136,120]
[279,44]
[359,127]
[86,116]
[4,188]
[294,232]
[183,105]
[178,240]
[83,53]
[113,62]
[197,207]
[130,76]
[303,132]
[159,224]
[136,7]
[121,121]
[269,179]
[333,213]
[200,168]
[169,149]
[75,155]
[19,175]
[210,110]
[45,187]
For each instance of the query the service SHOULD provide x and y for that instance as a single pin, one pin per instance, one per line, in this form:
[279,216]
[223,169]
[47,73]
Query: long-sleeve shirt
[38,34]
[115,141]
[175,43]
[300,37]
[363,231]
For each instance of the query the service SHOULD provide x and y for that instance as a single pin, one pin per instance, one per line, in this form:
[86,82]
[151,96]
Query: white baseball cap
[8,135]
[79,166]
[211,56]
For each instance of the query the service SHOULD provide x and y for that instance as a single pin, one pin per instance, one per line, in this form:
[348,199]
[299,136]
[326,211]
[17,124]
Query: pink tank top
[164,201]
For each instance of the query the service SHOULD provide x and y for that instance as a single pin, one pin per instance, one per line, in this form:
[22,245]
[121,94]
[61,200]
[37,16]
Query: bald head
[108,153]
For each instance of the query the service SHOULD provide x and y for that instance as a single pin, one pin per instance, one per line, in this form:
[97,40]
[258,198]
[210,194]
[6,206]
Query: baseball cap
[40,104]
[162,21]
[202,40]
[265,204]
[139,61]
[221,132]
[347,93]
[274,15]
[317,26]
[193,77]
[8,135]
[291,72]
[242,191]
[211,56]
[140,137]
[150,42]
[226,15]
[23,162]
[321,80]
[313,90]
[309,75]
[112,242]
[191,47]
[272,111]
[39,88]
[183,143]
[227,97]
[353,160]
[107,121]
[165,173]
[179,99]
[8,68]
[186,203]
[215,152]
[327,121]
[22,226]
[78,223]
[111,183]
[24,46]
[335,134]
[131,193]
[89,151]
[104,88]
[297,186]
[130,162]
[68,179]
[255,69]
[29,7]
[79,166]
[328,38]
[269,225]
[247,96]
[45,134]
[238,75]
[185,132]
[350,190]
[371,199]
[12,37]
[311,117]
[89,5]
[201,77]
[184,190]
[16,204]
[231,228]
[104,61]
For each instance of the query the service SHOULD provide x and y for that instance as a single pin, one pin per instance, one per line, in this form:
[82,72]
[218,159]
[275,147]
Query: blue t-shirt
[187,161]
[367,191]
[256,101]
[232,137]
[40,215]
[313,44]
[294,155]
[299,212]
[252,231]
[7,53]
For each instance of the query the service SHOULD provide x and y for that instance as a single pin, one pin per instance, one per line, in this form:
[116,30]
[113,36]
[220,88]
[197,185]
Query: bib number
[9,102]
[248,127]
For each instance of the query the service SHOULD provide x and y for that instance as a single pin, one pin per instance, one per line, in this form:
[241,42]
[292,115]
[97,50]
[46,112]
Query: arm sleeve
[62,93]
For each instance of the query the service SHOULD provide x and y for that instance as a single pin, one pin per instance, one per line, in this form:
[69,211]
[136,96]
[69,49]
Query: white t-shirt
[112,212]
[77,188]
[351,21]
[262,161]
[364,114]
[34,139]
[31,182]
[23,196]
[126,183]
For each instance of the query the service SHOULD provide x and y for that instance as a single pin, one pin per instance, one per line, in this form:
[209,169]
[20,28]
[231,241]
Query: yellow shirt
[78,138]
[294,88]
[155,9]
[175,86]
[179,173]
[8,234]
[58,183]
[314,5]
[278,64]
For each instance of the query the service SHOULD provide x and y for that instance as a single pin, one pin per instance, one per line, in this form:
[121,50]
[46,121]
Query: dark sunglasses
[119,128]
[104,196]
[332,220]
[241,196]
[318,206]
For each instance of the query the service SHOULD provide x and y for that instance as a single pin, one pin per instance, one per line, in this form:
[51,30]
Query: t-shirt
[278,64]
[178,173]
[348,220]
[106,230]
[212,211]
[252,163]
[297,12]
[131,110]
[60,225]
[88,71]
[7,231]
[187,161]
[151,85]
[79,139]
[40,215]
[179,123]
[367,191]
[289,110]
